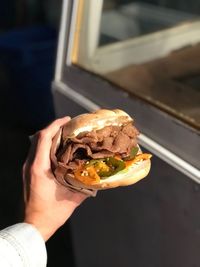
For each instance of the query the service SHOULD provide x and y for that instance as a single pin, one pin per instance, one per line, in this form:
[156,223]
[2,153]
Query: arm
[48,205]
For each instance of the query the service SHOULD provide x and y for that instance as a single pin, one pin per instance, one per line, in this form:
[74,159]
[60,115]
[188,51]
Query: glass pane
[123,19]
[150,49]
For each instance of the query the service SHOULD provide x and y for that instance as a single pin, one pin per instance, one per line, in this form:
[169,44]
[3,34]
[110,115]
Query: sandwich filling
[98,154]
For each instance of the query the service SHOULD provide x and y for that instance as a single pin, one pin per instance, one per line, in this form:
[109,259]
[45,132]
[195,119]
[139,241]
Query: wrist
[41,224]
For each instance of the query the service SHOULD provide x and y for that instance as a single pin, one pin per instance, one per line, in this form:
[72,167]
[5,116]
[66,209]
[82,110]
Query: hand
[47,204]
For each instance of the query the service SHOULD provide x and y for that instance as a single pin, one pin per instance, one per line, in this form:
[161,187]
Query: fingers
[51,130]
[44,143]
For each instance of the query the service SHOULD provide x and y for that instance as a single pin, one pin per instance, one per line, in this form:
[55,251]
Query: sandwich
[99,150]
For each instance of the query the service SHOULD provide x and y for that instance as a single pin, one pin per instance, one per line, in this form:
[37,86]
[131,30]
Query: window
[150,49]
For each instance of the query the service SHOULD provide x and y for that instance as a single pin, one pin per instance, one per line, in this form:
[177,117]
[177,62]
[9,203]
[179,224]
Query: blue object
[29,55]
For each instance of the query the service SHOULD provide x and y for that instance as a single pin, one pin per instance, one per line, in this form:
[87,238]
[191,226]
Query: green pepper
[115,166]
[93,162]
[133,153]
[100,165]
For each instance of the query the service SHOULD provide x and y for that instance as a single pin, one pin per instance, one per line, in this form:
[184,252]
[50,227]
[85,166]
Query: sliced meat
[75,151]
[121,143]
[115,131]
[105,132]
[106,144]
[80,149]
[92,134]
[77,163]
[97,144]
[84,140]
[102,154]
[129,130]
[65,154]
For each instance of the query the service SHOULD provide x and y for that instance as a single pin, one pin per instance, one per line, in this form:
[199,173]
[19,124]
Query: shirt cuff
[26,240]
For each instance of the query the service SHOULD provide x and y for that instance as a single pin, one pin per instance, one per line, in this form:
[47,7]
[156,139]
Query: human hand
[47,204]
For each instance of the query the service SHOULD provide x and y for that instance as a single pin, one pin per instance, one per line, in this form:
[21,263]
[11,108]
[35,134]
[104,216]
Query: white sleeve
[21,245]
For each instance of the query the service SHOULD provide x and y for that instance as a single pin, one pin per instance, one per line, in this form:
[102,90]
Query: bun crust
[94,121]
